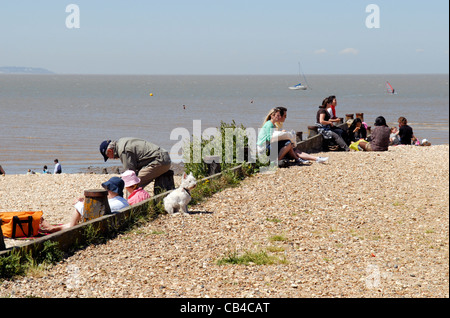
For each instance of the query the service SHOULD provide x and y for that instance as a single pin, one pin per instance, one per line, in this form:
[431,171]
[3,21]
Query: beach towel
[20,224]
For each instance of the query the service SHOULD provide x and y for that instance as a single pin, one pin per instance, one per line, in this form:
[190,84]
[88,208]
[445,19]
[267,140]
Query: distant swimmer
[184,106]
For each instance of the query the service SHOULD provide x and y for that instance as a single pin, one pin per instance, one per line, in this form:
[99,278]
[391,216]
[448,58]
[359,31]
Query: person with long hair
[302,155]
[264,144]
[357,130]
[326,125]
[379,138]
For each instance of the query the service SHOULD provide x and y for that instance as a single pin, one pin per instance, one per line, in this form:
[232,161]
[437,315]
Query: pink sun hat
[130,178]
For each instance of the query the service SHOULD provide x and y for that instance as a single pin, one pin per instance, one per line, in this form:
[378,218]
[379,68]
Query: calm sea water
[44,117]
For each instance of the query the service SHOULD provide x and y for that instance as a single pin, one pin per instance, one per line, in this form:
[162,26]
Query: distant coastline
[23,70]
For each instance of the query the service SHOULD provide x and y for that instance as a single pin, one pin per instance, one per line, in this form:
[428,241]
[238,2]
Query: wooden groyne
[82,233]
[315,141]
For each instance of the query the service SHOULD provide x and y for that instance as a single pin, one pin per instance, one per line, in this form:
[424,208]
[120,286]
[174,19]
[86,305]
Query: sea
[66,117]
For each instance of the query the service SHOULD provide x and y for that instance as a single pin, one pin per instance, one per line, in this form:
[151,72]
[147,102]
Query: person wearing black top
[356,131]
[405,132]
[325,125]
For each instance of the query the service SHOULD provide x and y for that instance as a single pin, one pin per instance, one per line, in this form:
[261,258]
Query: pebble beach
[362,225]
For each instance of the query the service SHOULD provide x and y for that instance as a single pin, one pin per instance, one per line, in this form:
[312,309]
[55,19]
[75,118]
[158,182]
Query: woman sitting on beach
[305,157]
[379,138]
[264,145]
[326,127]
[357,131]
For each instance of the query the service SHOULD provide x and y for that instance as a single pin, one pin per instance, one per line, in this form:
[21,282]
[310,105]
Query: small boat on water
[300,86]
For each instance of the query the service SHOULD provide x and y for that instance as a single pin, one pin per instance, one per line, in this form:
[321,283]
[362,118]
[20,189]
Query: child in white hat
[132,186]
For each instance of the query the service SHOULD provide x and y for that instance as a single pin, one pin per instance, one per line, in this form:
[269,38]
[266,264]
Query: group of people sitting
[355,137]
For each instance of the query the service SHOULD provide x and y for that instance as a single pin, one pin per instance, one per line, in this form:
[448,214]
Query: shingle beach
[365,224]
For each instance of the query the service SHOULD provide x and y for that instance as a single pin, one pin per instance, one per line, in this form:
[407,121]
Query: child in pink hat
[137,194]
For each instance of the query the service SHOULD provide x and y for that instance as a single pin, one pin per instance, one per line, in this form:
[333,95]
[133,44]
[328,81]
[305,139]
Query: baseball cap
[103,147]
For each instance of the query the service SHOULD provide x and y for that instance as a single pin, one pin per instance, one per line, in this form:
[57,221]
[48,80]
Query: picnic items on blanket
[20,224]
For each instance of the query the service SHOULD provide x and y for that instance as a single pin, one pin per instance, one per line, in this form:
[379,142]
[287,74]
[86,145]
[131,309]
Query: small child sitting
[394,138]
[137,194]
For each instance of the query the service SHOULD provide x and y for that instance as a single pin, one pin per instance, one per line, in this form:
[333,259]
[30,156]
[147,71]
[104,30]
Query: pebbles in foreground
[364,224]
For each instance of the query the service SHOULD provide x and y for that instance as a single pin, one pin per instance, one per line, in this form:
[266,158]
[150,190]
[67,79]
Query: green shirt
[265,133]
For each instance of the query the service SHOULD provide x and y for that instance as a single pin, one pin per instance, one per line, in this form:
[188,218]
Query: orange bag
[20,224]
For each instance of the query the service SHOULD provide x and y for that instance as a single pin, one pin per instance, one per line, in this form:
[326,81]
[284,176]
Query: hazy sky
[226,37]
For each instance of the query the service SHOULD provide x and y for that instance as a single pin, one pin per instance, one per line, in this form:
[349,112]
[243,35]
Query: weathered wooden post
[213,164]
[348,116]
[95,204]
[312,131]
[2,241]
[246,153]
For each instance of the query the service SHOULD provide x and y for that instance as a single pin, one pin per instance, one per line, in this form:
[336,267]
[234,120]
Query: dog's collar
[187,190]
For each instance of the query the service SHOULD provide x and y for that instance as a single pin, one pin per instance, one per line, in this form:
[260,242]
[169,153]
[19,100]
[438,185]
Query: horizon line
[216,74]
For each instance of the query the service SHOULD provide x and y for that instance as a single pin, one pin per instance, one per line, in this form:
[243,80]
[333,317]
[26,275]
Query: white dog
[179,198]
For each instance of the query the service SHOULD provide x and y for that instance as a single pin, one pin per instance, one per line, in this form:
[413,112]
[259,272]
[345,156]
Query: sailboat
[389,88]
[300,86]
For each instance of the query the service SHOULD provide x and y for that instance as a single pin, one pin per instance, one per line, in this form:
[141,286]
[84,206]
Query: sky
[226,37]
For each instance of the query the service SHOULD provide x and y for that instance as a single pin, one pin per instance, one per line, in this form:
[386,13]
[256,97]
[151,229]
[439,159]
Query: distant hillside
[23,70]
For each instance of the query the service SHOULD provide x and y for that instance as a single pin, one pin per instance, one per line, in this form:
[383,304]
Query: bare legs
[46,227]
[295,153]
